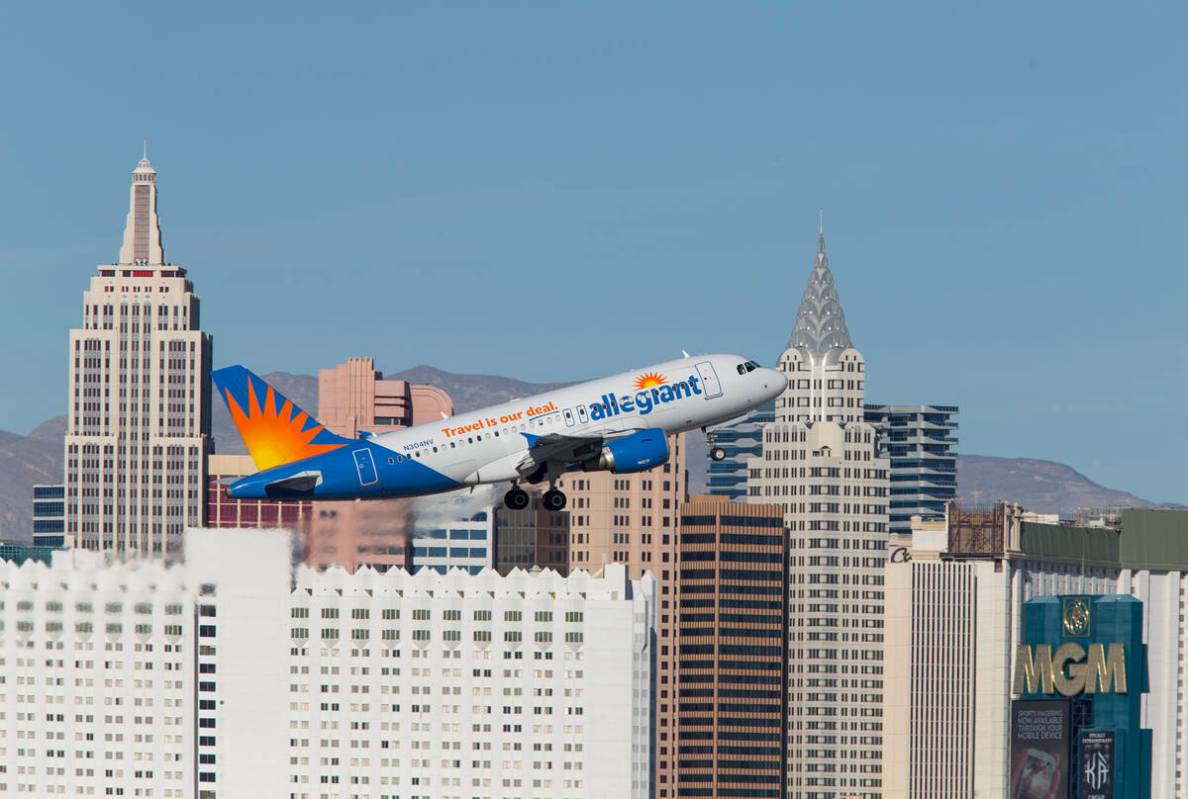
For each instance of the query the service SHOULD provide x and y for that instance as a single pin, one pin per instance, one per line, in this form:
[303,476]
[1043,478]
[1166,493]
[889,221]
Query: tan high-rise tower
[820,461]
[138,424]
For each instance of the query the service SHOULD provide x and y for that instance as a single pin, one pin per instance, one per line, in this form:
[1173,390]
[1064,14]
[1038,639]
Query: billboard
[1039,749]
[1095,773]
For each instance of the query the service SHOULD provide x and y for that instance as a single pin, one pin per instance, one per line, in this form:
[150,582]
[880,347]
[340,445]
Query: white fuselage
[489,445]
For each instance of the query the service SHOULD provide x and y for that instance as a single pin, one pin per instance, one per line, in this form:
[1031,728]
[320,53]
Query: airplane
[619,424]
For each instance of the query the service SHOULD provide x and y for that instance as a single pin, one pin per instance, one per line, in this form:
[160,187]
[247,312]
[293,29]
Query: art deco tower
[820,461]
[138,425]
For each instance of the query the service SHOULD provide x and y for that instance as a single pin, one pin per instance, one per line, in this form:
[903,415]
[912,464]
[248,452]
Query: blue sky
[555,191]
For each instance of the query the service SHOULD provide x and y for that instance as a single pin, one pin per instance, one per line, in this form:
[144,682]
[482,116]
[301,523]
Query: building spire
[820,329]
[142,231]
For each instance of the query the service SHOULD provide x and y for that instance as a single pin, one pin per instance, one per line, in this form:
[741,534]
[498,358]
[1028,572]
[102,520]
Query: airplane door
[365,466]
[709,380]
[568,414]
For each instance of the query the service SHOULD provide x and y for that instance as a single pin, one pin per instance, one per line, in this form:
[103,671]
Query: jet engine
[637,452]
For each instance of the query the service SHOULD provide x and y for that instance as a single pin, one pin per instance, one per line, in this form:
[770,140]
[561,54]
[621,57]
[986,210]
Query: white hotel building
[237,674]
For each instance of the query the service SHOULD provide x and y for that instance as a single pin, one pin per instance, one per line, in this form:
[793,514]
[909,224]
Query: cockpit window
[748,366]
[742,368]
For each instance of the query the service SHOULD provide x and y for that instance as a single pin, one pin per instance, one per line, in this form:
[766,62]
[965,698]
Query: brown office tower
[632,519]
[531,538]
[732,597]
[352,398]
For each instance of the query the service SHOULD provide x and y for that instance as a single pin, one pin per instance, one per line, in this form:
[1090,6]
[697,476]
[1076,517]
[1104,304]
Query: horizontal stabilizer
[302,481]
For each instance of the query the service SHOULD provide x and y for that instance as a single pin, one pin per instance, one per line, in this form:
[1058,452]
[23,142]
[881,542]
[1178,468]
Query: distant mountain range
[26,461]
[1038,485]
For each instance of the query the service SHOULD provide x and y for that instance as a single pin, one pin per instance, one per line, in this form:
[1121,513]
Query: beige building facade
[820,461]
[138,420]
[532,538]
[354,397]
[633,519]
[955,594]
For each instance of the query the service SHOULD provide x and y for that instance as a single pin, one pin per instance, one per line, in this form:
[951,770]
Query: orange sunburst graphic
[273,436]
[650,380]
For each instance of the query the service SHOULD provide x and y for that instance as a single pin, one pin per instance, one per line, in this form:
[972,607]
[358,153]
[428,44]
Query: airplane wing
[562,449]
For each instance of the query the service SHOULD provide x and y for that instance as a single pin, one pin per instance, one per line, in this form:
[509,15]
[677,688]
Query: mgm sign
[1071,670]
[1079,680]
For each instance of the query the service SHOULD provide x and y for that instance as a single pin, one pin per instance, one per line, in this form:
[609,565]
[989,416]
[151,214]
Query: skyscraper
[632,519]
[919,441]
[732,599]
[138,421]
[49,516]
[741,441]
[820,461]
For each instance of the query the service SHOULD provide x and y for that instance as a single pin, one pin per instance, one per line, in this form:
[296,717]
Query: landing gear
[516,499]
[553,500]
[715,452]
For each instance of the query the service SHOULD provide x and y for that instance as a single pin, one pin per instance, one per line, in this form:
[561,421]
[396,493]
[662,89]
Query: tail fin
[274,429]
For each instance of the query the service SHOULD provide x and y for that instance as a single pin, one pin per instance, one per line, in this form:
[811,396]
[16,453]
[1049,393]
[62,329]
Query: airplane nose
[774,382]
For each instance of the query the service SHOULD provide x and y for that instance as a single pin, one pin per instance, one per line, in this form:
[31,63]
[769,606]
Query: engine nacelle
[637,452]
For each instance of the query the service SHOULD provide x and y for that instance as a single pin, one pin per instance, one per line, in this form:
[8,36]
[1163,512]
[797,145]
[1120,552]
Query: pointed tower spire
[820,328]
[142,232]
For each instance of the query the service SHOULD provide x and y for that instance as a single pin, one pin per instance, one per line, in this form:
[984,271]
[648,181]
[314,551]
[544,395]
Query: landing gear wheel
[717,454]
[553,500]
[516,499]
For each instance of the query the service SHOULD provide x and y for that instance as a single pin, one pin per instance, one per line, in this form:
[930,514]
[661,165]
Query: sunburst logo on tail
[649,380]
[275,436]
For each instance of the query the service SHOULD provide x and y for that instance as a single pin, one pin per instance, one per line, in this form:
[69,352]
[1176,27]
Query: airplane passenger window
[391,461]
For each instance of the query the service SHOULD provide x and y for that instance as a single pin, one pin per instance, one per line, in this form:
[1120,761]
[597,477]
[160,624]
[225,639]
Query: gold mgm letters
[1102,671]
